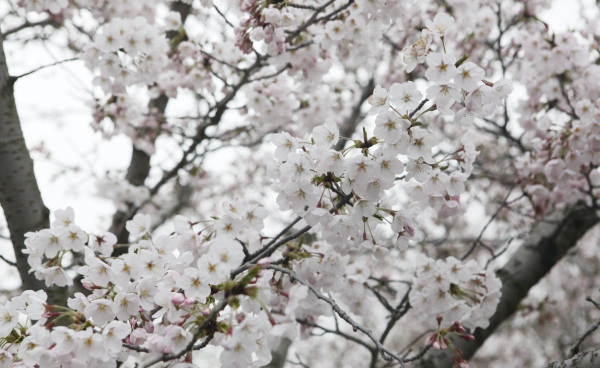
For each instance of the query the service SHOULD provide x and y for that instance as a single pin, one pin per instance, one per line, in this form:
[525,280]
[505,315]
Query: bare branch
[588,359]
[190,346]
[336,332]
[269,76]
[45,66]
[575,348]
[28,24]
[474,245]
[385,352]
[10,263]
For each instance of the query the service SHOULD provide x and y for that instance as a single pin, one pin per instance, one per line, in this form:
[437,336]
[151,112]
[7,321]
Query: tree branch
[588,359]
[385,352]
[45,66]
[355,116]
[28,24]
[575,348]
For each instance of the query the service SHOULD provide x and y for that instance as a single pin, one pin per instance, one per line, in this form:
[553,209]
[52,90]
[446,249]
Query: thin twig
[474,245]
[589,299]
[28,24]
[286,67]
[336,332]
[575,348]
[10,263]
[190,346]
[224,17]
[385,352]
[44,67]
[420,355]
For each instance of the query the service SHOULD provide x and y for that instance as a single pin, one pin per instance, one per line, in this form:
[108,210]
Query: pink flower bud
[177,299]
[431,339]
[205,312]
[440,344]
[137,337]
[457,327]
[48,314]
[467,338]
[188,303]
[439,319]
[149,327]
[87,284]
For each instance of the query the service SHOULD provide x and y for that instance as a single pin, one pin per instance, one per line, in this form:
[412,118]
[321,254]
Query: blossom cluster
[565,140]
[126,52]
[267,24]
[159,293]
[174,278]
[47,247]
[455,81]
[454,290]
[122,193]
[53,6]
[308,171]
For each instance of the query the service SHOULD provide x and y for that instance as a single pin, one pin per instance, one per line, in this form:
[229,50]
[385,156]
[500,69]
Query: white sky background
[54,111]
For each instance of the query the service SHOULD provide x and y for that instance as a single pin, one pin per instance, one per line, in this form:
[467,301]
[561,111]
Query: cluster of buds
[440,340]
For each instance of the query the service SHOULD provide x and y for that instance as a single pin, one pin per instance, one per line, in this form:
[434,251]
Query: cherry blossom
[362,155]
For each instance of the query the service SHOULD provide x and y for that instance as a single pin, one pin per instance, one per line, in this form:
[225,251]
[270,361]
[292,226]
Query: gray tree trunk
[20,196]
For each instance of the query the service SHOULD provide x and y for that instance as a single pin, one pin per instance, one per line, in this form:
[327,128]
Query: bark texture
[548,242]
[280,354]
[20,196]
[588,359]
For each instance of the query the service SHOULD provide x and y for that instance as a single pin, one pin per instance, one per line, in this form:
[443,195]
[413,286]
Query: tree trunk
[548,242]
[20,196]
[280,354]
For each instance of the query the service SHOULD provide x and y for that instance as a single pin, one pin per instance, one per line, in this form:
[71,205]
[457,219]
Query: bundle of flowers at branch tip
[439,341]
[455,291]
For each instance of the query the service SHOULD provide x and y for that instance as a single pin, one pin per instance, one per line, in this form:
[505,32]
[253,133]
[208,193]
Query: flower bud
[177,299]
[431,339]
[149,327]
[457,327]
[188,303]
[467,337]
